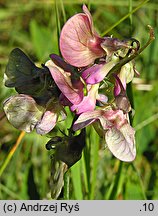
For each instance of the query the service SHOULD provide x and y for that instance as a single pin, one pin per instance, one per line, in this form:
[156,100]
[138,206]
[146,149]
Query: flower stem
[146,122]
[114,191]
[138,52]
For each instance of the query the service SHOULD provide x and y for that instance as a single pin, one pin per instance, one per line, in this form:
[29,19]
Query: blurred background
[34,26]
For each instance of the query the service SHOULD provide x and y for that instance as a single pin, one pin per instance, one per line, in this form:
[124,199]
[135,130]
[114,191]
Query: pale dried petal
[22,112]
[122,142]
[58,169]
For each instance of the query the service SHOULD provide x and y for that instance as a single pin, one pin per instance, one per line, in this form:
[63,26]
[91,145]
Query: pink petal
[119,135]
[117,87]
[72,91]
[92,74]
[86,119]
[102,98]
[88,103]
[122,142]
[97,72]
[107,118]
[86,11]
[79,44]
[47,123]
[115,117]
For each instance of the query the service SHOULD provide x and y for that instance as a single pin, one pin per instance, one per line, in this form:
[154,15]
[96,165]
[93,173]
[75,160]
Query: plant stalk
[66,186]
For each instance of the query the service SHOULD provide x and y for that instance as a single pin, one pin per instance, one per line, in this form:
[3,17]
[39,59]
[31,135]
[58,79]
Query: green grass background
[34,26]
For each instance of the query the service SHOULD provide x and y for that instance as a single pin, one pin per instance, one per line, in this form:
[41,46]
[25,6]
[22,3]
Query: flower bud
[122,102]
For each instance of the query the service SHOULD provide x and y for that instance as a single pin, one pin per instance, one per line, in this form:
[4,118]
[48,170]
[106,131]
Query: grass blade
[125,17]
[94,140]
[11,153]
[114,191]
[76,180]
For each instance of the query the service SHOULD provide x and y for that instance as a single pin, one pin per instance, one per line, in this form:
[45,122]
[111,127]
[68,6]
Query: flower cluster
[89,79]
[83,78]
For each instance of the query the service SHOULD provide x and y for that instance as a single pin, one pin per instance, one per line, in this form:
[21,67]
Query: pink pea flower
[89,102]
[71,87]
[97,72]
[25,114]
[115,49]
[80,45]
[119,135]
[50,117]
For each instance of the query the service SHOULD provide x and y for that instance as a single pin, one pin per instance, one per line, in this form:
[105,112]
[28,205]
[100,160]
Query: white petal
[122,142]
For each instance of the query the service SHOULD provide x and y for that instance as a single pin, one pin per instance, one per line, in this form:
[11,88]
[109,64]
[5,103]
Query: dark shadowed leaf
[68,150]
[22,74]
